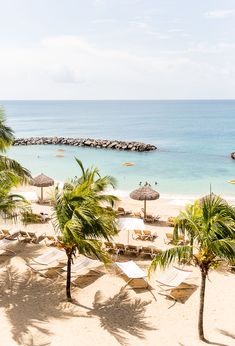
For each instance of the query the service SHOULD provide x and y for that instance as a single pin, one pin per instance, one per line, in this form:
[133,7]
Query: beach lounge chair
[147,235]
[26,236]
[50,257]
[137,234]
[136,277]
[133,249]
[51,240]
[121,211]
[47,261]
[3,233]
[146,251]
[109,247]
[120,248]
[170,279]
[5,245]
[83,264]
[156,252]
[170,239]
[12,233]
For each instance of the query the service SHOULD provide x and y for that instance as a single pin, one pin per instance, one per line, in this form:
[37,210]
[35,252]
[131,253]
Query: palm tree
[11,173]
[10,170]
[210,224]
[10,203]
[82,219]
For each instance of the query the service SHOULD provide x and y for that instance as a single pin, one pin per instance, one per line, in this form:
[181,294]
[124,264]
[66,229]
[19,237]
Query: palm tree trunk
[201,309]
[68,282]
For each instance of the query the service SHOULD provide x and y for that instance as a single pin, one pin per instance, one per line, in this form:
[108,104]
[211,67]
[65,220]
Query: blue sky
[117,49]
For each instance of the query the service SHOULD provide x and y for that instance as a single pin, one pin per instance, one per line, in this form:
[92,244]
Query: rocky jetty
[233,155]
[86,142]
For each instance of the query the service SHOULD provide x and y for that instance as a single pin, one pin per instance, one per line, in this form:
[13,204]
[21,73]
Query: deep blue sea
[194,140]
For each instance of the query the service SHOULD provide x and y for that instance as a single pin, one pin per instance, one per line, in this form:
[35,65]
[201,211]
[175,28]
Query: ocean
[194,141]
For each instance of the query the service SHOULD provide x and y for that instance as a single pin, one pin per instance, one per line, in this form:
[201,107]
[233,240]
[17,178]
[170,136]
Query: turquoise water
[194,140]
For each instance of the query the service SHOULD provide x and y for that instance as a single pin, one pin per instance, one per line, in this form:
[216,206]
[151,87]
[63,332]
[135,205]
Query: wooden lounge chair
[137,234]
[51,240]
[120,248]
[31,237]
[156,252]
[146,251]
[137,214]
[132,249]
[12,234]
[147,235]
[121,211]
[135,276]
[170,239]
[3,233]
[109,247]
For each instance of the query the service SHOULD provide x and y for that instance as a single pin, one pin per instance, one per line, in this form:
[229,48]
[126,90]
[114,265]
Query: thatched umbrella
[210,195]
[42,181]
[145,193]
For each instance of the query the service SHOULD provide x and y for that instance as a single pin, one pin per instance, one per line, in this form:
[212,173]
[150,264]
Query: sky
[117,49]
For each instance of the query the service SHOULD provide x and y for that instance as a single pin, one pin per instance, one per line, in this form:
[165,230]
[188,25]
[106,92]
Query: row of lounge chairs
[179,241]
[134,276]
[11,236]
[148,218]
[144,235]
[118,248]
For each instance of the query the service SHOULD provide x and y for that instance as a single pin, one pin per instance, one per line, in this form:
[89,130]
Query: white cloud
[74,68]
[219,14]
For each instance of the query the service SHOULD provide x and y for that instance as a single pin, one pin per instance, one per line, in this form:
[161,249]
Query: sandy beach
[34,310]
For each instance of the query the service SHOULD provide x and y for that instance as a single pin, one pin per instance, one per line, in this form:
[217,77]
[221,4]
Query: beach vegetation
[82,219]
[28,217]
[11,173]
[209,224]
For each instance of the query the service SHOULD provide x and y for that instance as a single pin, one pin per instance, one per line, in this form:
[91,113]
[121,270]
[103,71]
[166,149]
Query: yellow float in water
[231,181]
[59,155]
[128,164]
[60,150]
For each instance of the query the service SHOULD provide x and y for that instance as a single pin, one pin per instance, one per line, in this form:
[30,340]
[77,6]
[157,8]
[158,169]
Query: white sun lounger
[47,261]
[5,243]
[170,279]
[83,264]
[51,256]
[134,273]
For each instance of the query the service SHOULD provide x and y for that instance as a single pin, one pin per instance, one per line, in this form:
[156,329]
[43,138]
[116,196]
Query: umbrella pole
[145,209]
[41,194]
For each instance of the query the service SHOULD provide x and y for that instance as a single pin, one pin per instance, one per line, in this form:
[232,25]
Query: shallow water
[194,140]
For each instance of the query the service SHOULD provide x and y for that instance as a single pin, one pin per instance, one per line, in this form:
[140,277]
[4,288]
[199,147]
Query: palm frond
[169,256]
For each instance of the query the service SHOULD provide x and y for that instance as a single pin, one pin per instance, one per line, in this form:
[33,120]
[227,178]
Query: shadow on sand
[30,302]
[120,314]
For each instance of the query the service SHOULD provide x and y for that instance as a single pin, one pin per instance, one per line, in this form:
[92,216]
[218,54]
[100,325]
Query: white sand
[33,310]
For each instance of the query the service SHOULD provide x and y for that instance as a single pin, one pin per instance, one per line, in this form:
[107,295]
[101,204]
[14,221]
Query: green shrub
[29,217]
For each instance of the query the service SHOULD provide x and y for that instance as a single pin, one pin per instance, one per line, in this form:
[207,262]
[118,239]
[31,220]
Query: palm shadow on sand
[30,302]
[120,314]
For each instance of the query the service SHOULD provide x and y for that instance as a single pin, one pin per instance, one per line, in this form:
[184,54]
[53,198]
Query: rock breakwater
[88,142]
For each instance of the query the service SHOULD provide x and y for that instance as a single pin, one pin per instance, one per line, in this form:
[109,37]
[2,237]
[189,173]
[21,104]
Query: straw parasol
[211,195]
[145,193]
[42,181]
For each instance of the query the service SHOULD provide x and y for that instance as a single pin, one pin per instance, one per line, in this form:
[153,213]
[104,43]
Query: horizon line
[170,99]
